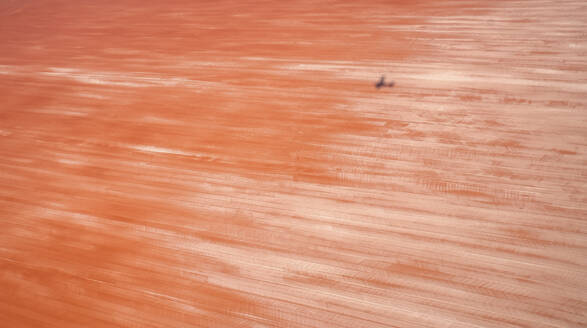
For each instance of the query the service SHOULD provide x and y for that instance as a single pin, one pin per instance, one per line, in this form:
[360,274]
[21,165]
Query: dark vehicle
[382,83]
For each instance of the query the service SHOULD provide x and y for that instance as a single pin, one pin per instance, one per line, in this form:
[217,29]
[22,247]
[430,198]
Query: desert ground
[231,163]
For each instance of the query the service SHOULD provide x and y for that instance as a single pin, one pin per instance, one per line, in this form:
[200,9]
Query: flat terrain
[231,164]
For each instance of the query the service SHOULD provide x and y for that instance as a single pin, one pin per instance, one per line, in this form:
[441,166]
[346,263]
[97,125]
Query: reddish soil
[231,164]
